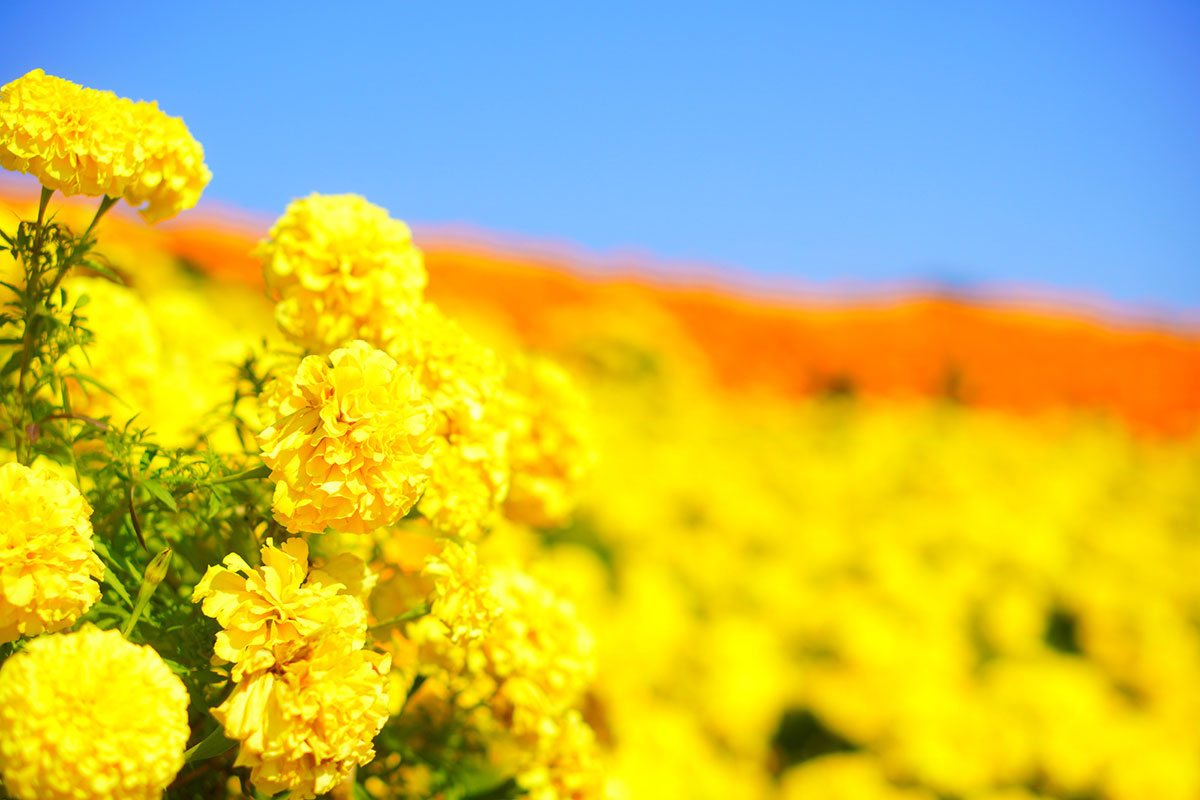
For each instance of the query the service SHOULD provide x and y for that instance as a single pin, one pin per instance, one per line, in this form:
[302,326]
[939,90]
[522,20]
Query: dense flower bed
[434,524]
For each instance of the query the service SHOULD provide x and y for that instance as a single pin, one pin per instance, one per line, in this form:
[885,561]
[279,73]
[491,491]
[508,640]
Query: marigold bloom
[464,383]
[569,767]
[272,614]
[468,483]
[538,651]
[90,716]
[340,268]
[549,448]
[460,376]
[48,570]
[83,141]
[351,447]
[524,670]
[462,598]
[304,726]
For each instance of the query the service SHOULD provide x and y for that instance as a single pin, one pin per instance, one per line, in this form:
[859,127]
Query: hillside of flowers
[317,508]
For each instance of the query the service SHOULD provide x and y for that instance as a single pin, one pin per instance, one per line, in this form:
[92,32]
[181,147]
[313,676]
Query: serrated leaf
[160,493]
[214,504]
[107,272]
[10,366]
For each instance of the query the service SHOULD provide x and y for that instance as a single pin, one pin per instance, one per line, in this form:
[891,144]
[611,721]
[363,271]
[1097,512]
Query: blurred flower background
[899,496]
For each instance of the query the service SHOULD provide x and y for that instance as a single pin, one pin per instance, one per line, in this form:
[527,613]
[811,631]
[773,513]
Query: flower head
[90,716]
[271,614]
[460,376]
[462,599]
[48,570]
[350,449]
[464,383]
[549,447]
[340,268]
[539,646]
[83,141]
[304,726]
[468,483]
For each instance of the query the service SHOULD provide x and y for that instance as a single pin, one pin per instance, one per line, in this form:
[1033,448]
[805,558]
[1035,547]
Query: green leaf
[160,493]
[215,744]
[10,366]
[105,270]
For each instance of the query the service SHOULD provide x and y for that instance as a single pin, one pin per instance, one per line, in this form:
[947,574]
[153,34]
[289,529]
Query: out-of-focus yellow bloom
[844,777]
[340,269]
[467,484]
[272,614]
[83,141]
[304,726]
[463,380]
[124,355]
[460,376]
[538,637]
[569,767]
[48,570]
[89,716]
[350,449]
[462,599]
[549,449]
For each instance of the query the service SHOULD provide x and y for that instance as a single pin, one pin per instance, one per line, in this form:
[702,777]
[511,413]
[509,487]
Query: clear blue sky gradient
[976,143]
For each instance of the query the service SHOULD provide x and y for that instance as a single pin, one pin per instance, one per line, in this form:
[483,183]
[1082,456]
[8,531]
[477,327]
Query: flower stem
[261,471]
[32,273]
[411,614]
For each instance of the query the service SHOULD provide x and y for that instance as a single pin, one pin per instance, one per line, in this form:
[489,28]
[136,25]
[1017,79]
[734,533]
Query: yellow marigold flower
[90,716]
[568,767]
[272,614]
[460,376]
[549,449]
[539,637]
[462,598]
[304,726]
[340,268]
[48,571]
[171,171]
[468,483]
[527,669]
[351,448]
[83,141]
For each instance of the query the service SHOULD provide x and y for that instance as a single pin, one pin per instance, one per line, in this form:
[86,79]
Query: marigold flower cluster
[82,141]
[392,411]
[90,715]
[308,699]
[746,594]
[511,656]
[48,569]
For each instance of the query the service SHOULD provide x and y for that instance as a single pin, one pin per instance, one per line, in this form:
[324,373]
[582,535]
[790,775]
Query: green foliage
[161,515]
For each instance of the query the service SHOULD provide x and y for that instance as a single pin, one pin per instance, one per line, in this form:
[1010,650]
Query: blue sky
[976,143]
